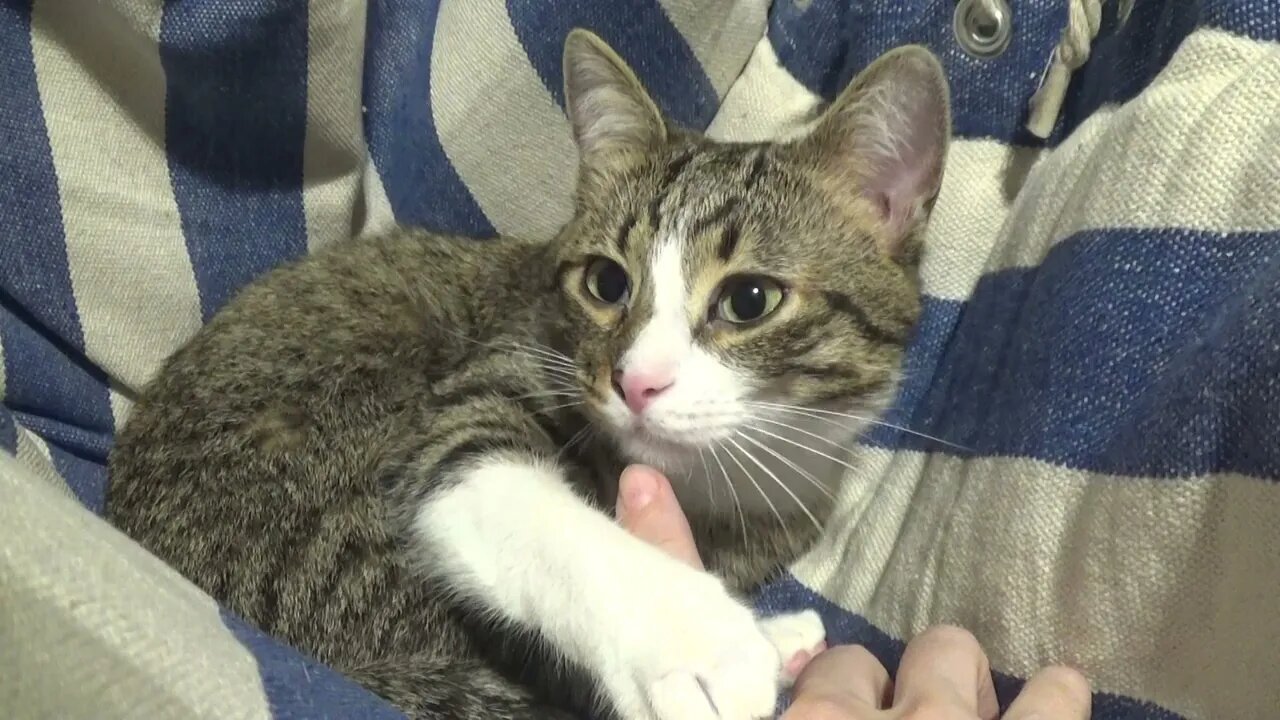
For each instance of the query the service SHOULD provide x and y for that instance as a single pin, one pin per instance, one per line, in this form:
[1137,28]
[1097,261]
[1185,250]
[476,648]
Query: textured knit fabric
[1098,364]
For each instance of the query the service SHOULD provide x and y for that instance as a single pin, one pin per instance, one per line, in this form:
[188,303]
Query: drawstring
[1083,19]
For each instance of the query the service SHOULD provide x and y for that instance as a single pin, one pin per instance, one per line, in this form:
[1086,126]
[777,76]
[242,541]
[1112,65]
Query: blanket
[1081,466]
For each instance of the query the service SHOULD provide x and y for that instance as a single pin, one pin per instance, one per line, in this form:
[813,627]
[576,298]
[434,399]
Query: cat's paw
[697,653]
[798,637]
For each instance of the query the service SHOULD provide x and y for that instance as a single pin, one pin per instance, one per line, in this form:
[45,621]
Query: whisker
[802,446]
[803,473]
[779,483]
[510,344]
[750,478]
[568,392]
[556,369]
[798,429]
[580,436]
[706,474]
[816,414]
[553,408]
[546,352]
[737,502]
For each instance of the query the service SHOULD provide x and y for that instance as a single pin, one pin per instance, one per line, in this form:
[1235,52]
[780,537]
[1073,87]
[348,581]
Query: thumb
[648,509]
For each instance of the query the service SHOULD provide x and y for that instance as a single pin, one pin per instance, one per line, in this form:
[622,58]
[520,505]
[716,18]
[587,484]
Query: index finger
[945,664]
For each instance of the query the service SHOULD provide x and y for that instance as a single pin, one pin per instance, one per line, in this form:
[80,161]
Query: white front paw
[692,652]
[798,638]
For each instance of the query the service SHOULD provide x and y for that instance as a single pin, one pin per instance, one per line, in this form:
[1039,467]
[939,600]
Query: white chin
[659,452]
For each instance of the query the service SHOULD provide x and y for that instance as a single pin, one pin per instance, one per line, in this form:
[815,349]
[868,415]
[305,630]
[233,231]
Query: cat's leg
[503,527]
[664,640]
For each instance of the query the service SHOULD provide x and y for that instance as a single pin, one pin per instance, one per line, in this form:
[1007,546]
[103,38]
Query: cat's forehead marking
[666,270]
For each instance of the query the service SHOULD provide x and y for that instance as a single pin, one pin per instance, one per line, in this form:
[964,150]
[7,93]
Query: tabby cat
[400,453]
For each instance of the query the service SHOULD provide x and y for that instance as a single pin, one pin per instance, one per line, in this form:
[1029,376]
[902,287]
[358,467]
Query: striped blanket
[1100,347]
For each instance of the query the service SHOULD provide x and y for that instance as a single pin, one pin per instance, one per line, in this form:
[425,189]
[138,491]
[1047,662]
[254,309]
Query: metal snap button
[983,27]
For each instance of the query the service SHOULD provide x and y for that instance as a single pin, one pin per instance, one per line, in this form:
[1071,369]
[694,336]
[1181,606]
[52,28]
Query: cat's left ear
[607,106]
[883,143]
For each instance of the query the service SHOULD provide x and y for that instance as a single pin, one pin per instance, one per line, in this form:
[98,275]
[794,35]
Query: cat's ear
[884,139]
[607,106]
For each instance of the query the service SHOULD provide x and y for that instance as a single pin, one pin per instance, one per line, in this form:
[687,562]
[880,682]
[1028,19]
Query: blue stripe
[46,372]
[299,688]
[33,258]
[1127,352]
[826,42]
[235,122]
[51,385]
[844,627]
[639,31]
[86,478]
[421,183]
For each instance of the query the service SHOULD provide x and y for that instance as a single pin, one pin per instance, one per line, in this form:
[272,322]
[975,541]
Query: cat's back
[265,433]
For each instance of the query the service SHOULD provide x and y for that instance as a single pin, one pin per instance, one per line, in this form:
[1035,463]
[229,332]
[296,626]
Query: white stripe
[378,215]
[978,191]
[504,134]
[121,404]
[102,88]
[765,102]
[93,626]
[334,154]
[2,372]
[1195,150]
[1160,589]
[721,34]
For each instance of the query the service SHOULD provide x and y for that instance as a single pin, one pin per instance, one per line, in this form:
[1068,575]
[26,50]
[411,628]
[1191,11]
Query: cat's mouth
[651,442]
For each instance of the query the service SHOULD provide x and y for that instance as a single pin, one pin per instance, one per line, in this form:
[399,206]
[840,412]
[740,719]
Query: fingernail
[639,490]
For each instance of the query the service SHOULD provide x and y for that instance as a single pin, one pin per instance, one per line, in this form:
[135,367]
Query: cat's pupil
[611,282]
[748,300]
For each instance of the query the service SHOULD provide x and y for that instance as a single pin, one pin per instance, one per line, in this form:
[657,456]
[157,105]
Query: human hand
[944,673]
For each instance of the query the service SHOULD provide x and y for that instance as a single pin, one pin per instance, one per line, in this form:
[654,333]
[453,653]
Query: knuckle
[950,635]
[816,708]
[1068,683]
[930,709]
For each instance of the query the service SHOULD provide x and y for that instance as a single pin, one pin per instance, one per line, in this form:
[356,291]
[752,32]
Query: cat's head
[706,285]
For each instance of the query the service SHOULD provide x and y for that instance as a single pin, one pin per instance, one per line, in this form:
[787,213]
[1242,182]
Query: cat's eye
[747,299]
[607,282]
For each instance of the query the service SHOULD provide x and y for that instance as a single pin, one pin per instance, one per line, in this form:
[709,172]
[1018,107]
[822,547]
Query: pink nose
[638,388]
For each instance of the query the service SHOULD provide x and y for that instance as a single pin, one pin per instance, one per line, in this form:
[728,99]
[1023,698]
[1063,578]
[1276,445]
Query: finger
[1054,693]
[845,681]
[648,509]
[946,664]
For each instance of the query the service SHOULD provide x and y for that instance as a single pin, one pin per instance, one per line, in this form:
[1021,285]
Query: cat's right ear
[882,144]
[608,107]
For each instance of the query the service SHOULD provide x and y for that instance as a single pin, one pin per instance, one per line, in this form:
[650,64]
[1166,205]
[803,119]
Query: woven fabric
[1084,460]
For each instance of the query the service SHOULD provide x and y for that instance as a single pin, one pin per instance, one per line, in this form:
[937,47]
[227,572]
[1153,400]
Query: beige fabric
[1150,583]
[93,627]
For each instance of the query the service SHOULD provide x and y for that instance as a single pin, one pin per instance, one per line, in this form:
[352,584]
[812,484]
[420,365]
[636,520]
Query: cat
[400,453]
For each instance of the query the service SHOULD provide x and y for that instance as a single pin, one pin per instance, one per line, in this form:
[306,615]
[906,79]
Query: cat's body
[400,453]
